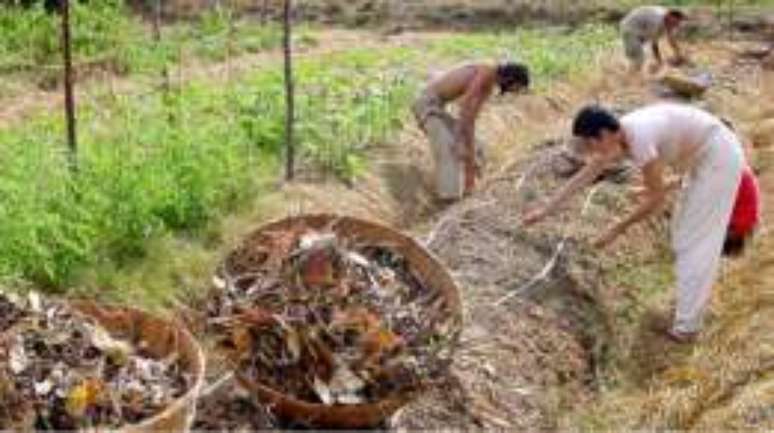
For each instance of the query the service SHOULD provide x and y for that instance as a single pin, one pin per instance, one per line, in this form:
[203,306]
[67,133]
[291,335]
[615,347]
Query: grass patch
[106,35]
[551,54]
[140,176]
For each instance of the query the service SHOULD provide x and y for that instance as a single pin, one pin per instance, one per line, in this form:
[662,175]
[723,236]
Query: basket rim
[191,394]
[396,400]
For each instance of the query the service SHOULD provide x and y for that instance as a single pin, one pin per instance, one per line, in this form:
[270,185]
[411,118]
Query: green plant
[151,165]
[107,35]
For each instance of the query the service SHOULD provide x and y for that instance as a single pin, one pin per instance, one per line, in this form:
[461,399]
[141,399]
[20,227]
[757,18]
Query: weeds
[140,176]
[106,36]
[550,53]
[163,163]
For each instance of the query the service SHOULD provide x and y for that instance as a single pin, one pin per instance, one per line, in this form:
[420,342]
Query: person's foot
[661,323]
[682,337]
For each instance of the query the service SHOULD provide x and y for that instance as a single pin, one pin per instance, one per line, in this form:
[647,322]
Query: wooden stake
[72,143]
[289,93]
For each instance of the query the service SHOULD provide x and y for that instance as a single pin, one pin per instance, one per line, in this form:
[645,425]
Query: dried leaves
[9,313]
[84,396]
[60,370]
[328,321]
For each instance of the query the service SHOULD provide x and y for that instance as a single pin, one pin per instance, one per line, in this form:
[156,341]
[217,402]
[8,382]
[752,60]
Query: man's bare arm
[656,51]
[583,178]
[672,40]
[671,184]
[470,107]
[654,196]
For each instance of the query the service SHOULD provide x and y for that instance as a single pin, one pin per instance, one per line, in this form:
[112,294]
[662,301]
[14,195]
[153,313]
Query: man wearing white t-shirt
[647,24]
[694,144]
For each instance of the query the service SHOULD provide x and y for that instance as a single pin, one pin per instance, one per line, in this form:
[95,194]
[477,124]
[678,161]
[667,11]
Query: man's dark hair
[510,75]
[592,120]
[677,14]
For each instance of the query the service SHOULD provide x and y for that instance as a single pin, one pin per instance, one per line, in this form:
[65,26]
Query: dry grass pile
[534,329]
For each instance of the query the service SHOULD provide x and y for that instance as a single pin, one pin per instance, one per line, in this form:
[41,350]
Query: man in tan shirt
[647,24]
[453,140]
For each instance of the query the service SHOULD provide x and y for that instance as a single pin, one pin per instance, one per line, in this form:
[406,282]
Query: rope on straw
[431,237]
[546,271]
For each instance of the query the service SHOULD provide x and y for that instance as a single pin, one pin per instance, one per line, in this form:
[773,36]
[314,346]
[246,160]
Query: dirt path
[326,42]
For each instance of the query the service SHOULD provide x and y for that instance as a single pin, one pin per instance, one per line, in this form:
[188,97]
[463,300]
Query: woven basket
[161,338]
[687,86]
[426,267]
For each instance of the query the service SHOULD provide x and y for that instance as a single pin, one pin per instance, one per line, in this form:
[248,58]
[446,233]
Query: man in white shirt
[647,24]
[693,143]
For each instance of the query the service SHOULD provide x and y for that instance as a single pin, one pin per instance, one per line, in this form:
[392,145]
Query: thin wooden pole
[265,12]
[289,93]
[157,39]
[72,143]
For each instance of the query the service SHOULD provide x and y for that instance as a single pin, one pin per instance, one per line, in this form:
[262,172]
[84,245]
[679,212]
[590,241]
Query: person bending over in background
[456,153]
[647,24]
[694,144]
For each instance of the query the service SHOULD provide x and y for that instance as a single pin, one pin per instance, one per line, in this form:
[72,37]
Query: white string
[209,389]
[451,215]
[546,271]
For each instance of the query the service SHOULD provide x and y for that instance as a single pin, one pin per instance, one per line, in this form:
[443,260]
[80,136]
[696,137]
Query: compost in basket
[327,320]
[61,370]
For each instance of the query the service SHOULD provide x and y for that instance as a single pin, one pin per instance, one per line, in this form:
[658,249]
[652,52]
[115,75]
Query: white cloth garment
[700,223]
[441,129]
[674,133]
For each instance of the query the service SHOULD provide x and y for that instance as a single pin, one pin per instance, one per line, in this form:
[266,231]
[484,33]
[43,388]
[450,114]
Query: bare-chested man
[453,140]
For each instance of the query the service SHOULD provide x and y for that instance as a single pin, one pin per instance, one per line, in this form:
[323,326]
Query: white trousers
[700,223]
[441,129]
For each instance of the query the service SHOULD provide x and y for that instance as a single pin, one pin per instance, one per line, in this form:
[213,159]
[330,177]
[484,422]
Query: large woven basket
[426,267]
[687,85]
[161,338]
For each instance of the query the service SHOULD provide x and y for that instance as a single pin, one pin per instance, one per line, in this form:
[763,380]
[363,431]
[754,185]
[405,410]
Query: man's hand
[458,150]
[470,176]
[655,67]
[607,238]
[679,60]
[479,171]
[533,216]
[637,193]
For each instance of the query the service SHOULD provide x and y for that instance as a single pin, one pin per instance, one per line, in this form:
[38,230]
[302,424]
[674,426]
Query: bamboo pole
[289,93]
[72,143]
